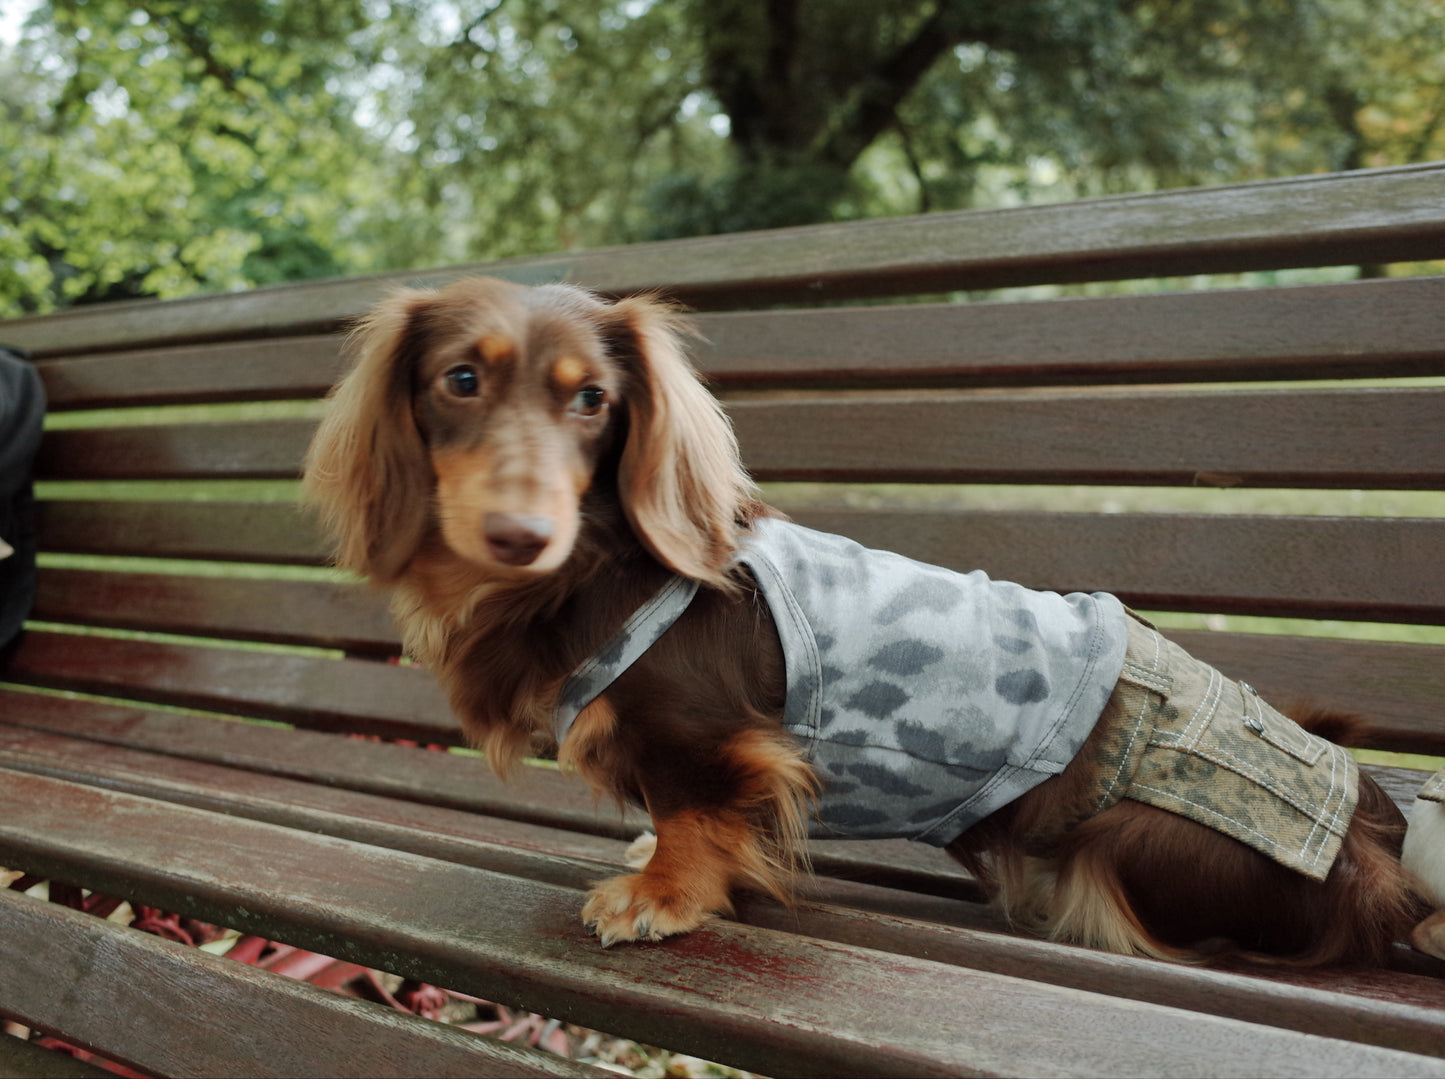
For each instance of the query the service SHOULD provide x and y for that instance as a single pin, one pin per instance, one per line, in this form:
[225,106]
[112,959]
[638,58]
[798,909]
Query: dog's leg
[699,854]
[688,878]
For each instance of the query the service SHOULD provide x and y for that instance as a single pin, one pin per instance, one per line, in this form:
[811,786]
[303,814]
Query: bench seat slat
[461,783]
[154,1004]
[1408,1015]
[524,945]
[1384,328]
[1380,215]
[1282,438]
[352,695]
[563,857]
[538,796]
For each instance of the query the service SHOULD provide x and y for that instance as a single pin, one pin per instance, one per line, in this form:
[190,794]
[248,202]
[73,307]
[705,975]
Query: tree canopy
[170,146]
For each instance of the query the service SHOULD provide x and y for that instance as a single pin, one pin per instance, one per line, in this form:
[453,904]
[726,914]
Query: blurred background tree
[166,147]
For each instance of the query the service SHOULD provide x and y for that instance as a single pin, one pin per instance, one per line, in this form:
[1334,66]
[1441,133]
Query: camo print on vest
[1180,736]
[925,698]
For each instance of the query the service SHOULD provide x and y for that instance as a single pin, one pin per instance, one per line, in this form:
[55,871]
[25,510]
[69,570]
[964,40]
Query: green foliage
[172,146]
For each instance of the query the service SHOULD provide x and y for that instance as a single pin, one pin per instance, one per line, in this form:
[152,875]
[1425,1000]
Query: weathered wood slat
[352,695]
[1383,215]
[1277,438]
[272,532]
[326,614]
[153,1004]
[1388,328]
[1362,569]
[1394,688]
[454,782]
[1379,328]
[257,449]
[314,768]
[1409,1014]
[1365,569]
[570,859]
[744,995]
[269,369]
[28,1060]
[538,796]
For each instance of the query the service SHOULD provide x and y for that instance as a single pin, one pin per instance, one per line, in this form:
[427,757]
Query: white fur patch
[1424,851]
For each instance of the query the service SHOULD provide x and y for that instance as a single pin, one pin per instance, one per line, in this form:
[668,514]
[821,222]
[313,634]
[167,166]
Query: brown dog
[577,554]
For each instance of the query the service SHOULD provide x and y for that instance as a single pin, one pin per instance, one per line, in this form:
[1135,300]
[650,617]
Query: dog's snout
[516,540]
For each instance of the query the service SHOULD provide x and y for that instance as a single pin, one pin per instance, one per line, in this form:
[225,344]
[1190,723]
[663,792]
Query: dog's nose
[516,540]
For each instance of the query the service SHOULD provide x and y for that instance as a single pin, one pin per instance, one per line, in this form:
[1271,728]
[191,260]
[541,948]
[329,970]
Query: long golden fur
[523,467]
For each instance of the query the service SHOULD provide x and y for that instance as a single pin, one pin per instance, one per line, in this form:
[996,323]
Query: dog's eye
[462,380]
[589,400]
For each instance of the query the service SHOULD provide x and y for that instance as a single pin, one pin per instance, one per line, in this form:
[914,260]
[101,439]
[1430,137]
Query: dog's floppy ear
[683,486]
[367,468]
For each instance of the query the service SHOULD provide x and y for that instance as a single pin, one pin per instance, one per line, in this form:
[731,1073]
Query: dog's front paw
[636,907]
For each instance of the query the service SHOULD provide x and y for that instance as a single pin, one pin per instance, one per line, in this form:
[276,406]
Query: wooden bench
[180,588]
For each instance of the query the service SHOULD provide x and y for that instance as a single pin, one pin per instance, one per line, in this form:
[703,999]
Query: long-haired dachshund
[576,552]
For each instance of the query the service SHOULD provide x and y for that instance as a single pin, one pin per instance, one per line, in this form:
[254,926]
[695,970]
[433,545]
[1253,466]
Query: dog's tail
[1341,728]
[1422,852]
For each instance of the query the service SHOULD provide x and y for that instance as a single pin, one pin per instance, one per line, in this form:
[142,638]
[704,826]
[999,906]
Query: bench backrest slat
[1341,438]
[1343,219]
[270,532]
[325,614]
[1381,329]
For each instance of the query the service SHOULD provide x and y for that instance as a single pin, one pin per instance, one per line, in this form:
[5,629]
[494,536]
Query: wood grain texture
[269,369]
[1381,215]
[347,616]
[1401,1012]
[1365,569]
[1382,438]
[271,532]
[27,1060]
[749,996]
[538,796]
[1269,438]
[252,450]
[173,1010]
[351,695]
[1386,328]
[1382,328]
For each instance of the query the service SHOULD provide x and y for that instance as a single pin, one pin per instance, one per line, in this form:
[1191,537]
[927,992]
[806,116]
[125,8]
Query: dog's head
[481,414]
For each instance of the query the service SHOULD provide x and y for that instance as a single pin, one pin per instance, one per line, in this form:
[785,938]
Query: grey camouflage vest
[926,699]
